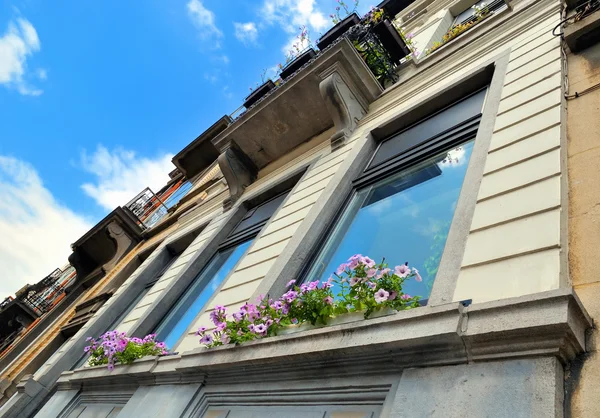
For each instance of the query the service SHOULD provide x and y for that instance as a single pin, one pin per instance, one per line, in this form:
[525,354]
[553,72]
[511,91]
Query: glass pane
[404,218]
[180,318]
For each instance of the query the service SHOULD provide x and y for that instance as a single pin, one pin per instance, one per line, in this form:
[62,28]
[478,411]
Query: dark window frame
[458,134]
[281,190]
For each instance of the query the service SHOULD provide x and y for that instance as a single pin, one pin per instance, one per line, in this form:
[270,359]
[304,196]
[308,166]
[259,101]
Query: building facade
[461,164]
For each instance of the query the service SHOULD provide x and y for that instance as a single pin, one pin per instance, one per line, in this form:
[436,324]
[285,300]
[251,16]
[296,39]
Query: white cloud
[121,175]
[247,33]
[291,14]
[454,158]
[204,20]
[36,229]
[18,43]
[295,45]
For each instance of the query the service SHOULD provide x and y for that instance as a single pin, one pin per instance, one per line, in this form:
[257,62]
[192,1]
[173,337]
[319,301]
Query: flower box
[391,40]
[338,30]
[297,63]
[258,93]
[336,320]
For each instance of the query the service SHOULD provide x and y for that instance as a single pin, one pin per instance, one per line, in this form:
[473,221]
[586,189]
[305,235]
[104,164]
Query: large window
[404,203]
[193,301]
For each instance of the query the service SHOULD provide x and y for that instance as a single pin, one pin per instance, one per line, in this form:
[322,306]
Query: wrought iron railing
[44,295]
[149,208]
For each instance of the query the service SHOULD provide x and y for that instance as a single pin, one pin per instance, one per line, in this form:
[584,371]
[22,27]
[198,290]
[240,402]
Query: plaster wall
[583,129]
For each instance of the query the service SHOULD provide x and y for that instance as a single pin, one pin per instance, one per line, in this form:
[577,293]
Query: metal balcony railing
[149,208]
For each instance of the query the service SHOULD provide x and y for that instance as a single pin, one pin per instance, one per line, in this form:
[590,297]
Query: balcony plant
[341,24]
[115,347]
[388,35]
[364,287]
[258,92]
[481,13]
[300,54]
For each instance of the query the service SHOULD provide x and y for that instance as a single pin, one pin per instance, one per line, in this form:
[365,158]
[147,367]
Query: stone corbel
[123,244]
[238,170]
[344,102]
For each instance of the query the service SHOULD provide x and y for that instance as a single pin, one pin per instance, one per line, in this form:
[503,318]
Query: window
[403,204]
[487,6]
[177,322]
[83,359]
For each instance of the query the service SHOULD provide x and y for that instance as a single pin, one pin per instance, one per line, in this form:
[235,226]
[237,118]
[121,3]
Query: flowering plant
[336,18]
[375,15]
[364,287]
[114,347]
[480,13]
[367,286]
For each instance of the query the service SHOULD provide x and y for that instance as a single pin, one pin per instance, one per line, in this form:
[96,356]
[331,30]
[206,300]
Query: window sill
[545,324]
[467,36]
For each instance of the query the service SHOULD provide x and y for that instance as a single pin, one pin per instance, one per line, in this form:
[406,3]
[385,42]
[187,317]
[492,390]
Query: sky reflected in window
[181,317]
[404,218]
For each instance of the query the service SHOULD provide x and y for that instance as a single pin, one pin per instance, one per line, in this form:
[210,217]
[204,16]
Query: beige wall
[583,127]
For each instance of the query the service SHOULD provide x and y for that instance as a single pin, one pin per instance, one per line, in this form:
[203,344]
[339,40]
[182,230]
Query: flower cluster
[367,286]
[364,286]
[114,347]
[481,12]
[336,17]
[375,15]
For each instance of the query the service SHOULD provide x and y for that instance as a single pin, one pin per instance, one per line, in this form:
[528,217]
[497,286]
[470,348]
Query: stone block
[528,388]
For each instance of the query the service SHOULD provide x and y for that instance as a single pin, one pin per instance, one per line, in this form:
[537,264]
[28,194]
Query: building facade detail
[274,196]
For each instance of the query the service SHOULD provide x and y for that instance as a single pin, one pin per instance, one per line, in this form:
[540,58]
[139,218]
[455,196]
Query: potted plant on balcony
[258,92]
[341,24]
[388,35]
[300,54]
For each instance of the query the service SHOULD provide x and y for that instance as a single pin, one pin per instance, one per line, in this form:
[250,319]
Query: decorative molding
[489,38]
[545,324]
[239,171]
[344,106]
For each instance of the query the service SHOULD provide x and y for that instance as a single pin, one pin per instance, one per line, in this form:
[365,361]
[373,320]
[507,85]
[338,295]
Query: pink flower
[417,275]
[369,262]
[402,270]
[354,281]
[225,339]
[206,339]
[201,330]
[371,273]
[383,272]
[328,300]
[381,296]
[405,297]
[290,283]
[341,269]
[221,326]
[371,285]
[393,295]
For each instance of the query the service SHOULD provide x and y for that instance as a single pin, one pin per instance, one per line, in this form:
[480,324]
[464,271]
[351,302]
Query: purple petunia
[381,296]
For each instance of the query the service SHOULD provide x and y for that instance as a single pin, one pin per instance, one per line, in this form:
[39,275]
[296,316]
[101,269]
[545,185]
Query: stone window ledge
[545,324]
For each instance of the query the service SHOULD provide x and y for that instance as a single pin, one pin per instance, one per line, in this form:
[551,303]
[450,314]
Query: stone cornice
[545,324]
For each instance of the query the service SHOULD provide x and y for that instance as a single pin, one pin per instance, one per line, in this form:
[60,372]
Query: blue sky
[96,97]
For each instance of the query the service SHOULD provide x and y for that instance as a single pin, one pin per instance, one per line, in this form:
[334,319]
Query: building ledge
[583,33]
[545,324]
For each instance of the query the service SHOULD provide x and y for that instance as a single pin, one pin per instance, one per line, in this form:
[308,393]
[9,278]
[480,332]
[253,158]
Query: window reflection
[405,218]
[180,318]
